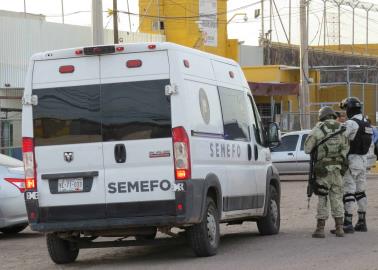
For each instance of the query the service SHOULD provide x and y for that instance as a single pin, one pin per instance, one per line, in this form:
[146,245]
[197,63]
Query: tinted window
[288,143]
[67,115]
[94,113]
[136,110]
[235,114]
[304,137]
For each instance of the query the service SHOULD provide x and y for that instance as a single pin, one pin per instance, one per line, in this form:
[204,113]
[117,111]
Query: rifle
[313,159]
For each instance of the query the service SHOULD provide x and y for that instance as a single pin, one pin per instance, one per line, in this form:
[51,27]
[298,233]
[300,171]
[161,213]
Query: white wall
[21,36]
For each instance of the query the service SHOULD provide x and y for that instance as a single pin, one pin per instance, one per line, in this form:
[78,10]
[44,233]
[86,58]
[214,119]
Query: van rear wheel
[270,224]
[204,237]
[61,251]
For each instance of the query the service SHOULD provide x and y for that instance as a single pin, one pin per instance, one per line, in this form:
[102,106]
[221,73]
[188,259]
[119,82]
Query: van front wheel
[270,224]
[204,237]
[61,251]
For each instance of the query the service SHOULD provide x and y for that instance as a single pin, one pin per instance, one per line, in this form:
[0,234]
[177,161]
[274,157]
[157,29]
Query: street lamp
[245,18]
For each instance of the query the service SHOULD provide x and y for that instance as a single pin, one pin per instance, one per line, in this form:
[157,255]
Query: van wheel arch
[272,179]
[213,190]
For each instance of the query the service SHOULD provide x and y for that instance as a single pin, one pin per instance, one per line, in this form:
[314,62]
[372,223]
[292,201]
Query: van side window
[258,128]
[235,114]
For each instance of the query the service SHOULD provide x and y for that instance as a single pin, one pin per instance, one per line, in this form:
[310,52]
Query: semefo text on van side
[138,186]
[225,150]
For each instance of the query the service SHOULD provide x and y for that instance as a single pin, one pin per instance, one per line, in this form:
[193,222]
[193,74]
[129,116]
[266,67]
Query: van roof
[131,48]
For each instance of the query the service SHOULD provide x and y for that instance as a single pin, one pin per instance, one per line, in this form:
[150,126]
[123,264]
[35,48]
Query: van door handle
[120,153]
[249,152]
[256,152]
[290,154]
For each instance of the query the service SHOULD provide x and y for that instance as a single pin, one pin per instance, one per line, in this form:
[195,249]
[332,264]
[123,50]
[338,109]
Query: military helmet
[325,112]
[350,103]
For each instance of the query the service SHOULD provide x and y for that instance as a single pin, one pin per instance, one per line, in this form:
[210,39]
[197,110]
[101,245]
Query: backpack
[333,146]
[363,139]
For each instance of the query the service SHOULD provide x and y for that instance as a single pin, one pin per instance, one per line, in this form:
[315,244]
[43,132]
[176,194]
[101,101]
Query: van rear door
[68,141]
[136,117]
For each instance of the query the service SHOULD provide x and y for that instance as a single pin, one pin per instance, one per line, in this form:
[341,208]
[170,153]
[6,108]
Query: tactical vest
[363,139]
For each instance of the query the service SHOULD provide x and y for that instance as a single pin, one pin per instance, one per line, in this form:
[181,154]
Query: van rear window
[96,113]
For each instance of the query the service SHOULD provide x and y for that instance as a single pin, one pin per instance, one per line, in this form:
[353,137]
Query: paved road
[241,246]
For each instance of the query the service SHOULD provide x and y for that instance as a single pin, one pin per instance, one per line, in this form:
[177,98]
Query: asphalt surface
[241,246]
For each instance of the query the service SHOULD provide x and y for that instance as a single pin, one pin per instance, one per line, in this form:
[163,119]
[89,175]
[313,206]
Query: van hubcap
[274,211]
[211,228]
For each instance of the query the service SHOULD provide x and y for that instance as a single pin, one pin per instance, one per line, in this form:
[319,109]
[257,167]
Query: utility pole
[115,22]
[128,11]
[61,3]
[325,23]
[262,21]
[304,89]
[97,23]
[270,21]
[25,8]
[289,22]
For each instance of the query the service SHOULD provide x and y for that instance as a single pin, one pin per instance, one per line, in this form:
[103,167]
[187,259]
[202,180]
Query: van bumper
[186,209]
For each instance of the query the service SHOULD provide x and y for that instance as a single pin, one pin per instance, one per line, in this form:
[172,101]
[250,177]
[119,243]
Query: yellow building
[202,24]
[181,23]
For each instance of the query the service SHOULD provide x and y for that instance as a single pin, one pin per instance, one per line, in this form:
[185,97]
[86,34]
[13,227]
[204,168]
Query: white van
[125,140]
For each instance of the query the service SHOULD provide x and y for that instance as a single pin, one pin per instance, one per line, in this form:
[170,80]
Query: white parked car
[13,218]
[133,138]
[290,159]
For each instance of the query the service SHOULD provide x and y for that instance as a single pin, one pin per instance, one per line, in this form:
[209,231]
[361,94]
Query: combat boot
[361,223]
[319,231]
[348,226]
[339,227]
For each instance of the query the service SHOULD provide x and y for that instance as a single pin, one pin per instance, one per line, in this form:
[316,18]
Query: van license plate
[70,185]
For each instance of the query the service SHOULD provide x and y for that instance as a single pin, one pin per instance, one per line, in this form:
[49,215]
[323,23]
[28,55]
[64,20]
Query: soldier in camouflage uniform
[330,165]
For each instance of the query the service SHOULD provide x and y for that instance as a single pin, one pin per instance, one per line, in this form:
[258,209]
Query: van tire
[270,224]
[61,251]
[13,229]
[204,237]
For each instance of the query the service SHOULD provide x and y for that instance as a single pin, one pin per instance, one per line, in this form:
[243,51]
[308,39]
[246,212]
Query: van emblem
[68,156]
[204,106]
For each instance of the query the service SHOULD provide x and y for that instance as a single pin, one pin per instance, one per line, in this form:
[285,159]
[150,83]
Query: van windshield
[97,113]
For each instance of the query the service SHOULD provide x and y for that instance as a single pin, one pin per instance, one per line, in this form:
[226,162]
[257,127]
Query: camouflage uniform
[328,168]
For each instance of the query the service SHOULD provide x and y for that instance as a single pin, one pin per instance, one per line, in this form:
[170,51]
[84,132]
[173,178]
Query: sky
[78,12]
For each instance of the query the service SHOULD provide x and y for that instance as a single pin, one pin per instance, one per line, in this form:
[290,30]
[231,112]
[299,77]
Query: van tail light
[18,182]
[29,164]
[181,152]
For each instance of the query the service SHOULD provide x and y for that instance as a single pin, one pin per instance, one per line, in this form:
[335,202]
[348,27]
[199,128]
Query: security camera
[245,18]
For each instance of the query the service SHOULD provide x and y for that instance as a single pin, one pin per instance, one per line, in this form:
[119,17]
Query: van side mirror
[274,135]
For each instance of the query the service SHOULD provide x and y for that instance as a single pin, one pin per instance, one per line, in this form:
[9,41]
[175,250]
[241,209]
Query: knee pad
[360,195]
[349,197]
